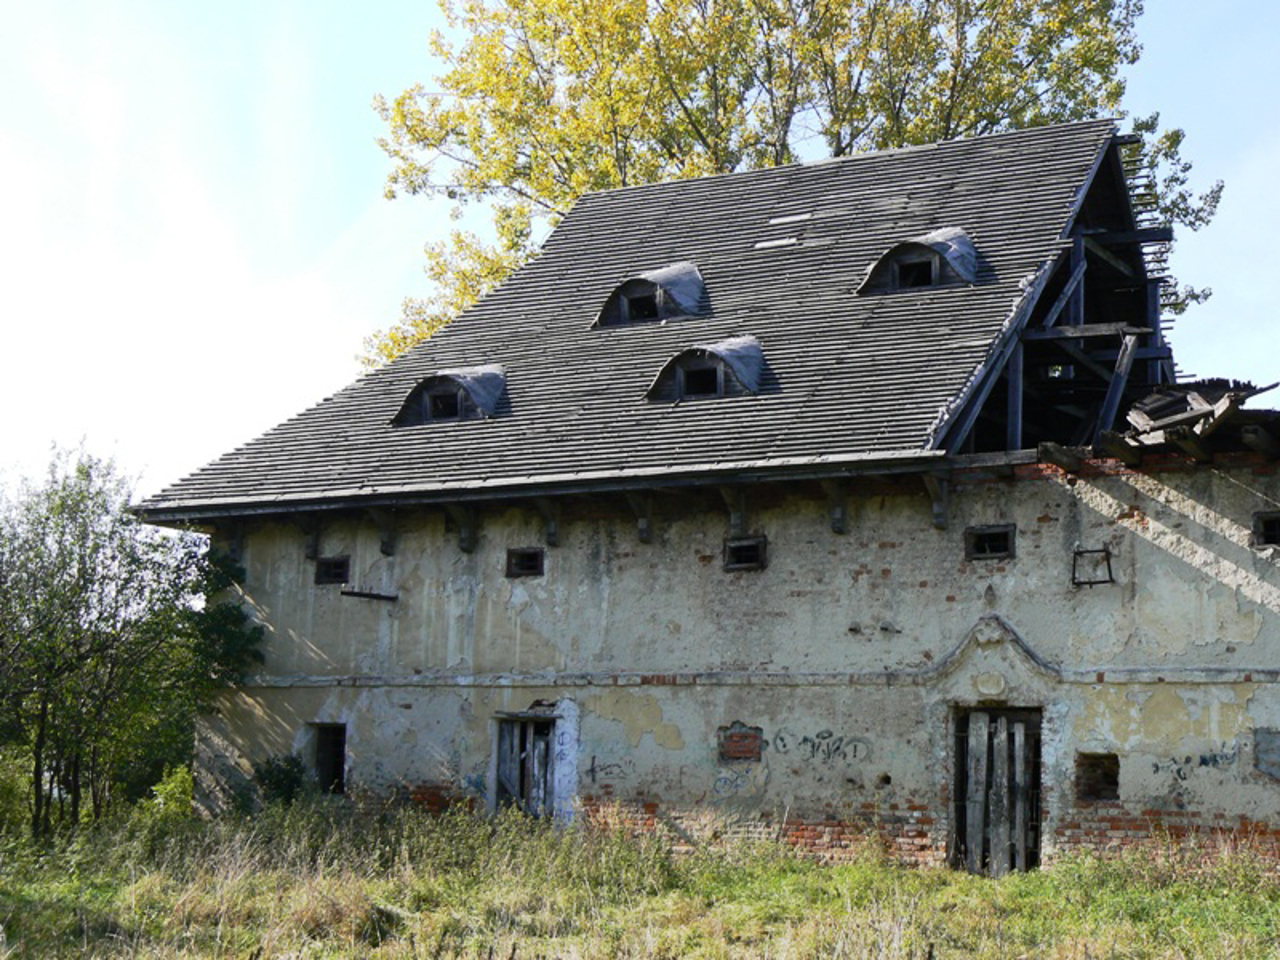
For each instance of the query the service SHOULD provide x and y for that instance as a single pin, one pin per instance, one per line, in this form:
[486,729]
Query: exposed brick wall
[437,797]
[1114,825]
[909,832]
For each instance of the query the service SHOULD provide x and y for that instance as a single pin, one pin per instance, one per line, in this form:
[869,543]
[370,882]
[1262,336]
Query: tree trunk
[38,814]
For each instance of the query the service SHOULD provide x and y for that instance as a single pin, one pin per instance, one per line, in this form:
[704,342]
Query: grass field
[321,880]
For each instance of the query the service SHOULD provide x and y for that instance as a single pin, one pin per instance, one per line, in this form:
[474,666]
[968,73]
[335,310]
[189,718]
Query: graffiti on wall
[825,746]
[1182,767]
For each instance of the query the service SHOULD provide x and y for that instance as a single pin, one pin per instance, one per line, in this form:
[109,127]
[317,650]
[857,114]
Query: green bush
[281,779]
[14,784]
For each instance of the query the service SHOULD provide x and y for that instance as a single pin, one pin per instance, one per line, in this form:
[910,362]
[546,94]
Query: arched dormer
[943,257]
[726,368]
[468,393]
[655,295]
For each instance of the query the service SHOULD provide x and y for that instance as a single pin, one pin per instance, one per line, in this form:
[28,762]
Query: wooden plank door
[998,795]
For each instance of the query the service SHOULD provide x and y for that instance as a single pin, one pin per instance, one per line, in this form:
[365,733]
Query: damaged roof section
[1197,418]
[850,380]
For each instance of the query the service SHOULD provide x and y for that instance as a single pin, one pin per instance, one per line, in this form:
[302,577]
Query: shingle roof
[782,251]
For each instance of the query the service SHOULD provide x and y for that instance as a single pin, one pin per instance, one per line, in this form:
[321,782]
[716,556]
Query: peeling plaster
[639,714]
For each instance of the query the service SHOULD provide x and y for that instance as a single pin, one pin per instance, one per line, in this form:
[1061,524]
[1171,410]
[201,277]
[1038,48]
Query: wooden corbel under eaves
[388,529]
[938,486]
[735,499]
[837,504]
[465,519]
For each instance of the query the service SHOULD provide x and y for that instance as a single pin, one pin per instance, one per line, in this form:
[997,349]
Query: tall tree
[112,637]
[548,99]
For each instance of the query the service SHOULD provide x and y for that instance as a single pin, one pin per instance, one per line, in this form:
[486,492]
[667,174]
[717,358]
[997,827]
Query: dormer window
[655,296]
[940,258]
[468,393]
[726,368]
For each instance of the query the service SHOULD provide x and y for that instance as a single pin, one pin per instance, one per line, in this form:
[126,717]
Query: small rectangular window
[333,569]
[1097,777]
[989,543]
[914,273]
[642,306]
[700,381]
[331,757]
[525,562]
[443,406]
[746,553]
[1266,529]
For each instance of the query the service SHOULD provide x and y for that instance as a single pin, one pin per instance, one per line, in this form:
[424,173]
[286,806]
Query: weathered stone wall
[848,658]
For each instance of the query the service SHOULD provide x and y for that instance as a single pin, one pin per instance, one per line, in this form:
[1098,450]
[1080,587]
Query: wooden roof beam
[1259,439]
[1086,330]
[1109,258]
[1112,444]
[1060,456]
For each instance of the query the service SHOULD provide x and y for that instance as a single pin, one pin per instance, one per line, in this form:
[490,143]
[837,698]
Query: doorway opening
[525,762]
[997,796]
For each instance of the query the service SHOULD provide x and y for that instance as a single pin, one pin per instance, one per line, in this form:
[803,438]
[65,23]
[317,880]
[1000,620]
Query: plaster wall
[852,654]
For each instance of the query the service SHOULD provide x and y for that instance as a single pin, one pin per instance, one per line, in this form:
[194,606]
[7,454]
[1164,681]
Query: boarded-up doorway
[997,777]
[526,757]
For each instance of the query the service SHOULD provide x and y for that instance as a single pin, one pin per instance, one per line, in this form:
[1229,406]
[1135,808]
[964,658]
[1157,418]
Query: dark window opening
[333,569]
[914,273]
[700,381]
[642,306]
[526,760]
[1097,777]
[525,562]
[1266,529]
[988,543]
[746,553]
[331,757]
[443,406]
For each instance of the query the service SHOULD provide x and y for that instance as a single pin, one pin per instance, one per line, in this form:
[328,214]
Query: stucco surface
[851,653]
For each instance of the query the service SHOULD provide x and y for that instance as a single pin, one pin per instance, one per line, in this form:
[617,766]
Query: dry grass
[330,881]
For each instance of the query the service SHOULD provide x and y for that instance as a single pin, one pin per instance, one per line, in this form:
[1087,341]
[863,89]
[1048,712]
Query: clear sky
[194,243]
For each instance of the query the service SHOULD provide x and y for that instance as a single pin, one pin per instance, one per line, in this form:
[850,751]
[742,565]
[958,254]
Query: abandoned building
[852,497]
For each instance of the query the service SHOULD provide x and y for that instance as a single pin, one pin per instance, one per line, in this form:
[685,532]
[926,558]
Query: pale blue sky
[193,240]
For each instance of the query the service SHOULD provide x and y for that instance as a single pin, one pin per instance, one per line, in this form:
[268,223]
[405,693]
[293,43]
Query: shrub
[281,779]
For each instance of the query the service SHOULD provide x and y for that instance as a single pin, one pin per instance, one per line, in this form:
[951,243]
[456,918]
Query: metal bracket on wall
[1088,566]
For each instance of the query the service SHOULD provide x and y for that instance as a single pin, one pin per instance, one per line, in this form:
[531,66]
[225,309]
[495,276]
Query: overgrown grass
[325,880]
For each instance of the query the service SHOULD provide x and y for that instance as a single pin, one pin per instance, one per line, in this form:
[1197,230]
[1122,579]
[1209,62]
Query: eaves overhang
[473,491]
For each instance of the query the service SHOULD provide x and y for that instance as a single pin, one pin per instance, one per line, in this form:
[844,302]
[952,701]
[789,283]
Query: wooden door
[997,770]
[525,764]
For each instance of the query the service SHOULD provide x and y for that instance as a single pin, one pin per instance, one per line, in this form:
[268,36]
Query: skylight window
[469,393]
